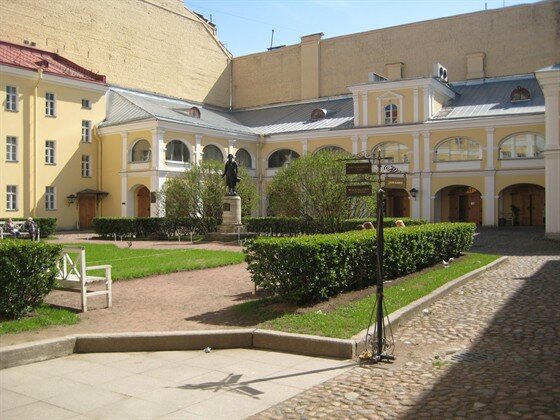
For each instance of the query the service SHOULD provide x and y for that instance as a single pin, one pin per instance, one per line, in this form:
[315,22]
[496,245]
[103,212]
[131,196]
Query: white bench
[72,275]
[23,233]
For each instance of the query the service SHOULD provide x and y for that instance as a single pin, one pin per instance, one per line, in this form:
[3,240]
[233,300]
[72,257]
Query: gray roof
[297,117]
[491,97]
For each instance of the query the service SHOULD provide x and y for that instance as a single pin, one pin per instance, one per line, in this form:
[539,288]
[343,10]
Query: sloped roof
[34,59]
[491,97]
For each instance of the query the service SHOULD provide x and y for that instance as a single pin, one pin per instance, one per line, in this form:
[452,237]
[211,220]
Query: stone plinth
[231,215]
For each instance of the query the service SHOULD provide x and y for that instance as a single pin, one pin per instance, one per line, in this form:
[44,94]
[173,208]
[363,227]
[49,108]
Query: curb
[408,311]
[309,345]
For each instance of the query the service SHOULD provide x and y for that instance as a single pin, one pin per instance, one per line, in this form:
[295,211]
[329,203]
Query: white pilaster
[124,170]
[304,146]
[158,151]
[365,109]
[416,152]
[426,98]
[490,148]
[125,157]
[197,149]
[231,144]
[354,145]
[415,105]
[415,211]
[356,110]
[427,154]
[426,197]
[489,201]
[124,196]
[363,138]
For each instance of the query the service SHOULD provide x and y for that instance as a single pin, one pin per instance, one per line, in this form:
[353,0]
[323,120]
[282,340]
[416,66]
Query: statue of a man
[230,172]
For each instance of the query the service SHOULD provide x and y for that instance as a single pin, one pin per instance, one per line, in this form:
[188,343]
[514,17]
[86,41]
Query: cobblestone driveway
[508,318]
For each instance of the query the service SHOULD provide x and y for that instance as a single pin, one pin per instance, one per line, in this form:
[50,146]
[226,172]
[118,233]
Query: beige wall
[509,38]
[154,45]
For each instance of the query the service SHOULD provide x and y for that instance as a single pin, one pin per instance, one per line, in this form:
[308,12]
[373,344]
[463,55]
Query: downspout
[35,119]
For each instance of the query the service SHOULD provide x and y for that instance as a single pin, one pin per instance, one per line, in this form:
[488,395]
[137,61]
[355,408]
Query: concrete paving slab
[37,410]
[82,398]
[10,399]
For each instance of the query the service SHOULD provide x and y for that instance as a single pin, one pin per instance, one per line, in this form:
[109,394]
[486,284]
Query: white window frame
[12,98]
[86,166]
[50,152]
[50,104]
[86,131]
[50,198]
[86,103]
[11,149]
[11,197]
[391,114]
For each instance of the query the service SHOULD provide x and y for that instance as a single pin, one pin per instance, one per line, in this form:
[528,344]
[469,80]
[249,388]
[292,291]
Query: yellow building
[478,133]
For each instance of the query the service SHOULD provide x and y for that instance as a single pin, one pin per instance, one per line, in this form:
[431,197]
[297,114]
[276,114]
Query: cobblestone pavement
[505,323]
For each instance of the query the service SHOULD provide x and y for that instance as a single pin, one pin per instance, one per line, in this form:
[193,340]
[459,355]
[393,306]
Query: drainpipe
[35,119]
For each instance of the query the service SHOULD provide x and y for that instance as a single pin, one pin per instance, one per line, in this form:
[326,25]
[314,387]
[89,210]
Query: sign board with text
[358,190]
[395,183]
[357,168]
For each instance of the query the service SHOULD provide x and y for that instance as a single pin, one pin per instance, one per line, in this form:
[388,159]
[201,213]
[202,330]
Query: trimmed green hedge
[47,225]
[290,226]
[151,226]
[27,275]
[306,269]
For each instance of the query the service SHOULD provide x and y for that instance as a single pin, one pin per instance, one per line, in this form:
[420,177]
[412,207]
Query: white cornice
[60,80]
[403,84]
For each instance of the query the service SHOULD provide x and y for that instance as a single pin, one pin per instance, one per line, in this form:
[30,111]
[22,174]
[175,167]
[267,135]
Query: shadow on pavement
[518,240]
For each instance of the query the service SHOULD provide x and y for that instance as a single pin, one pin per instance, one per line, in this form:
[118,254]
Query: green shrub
[144,227]
[47,225]
[311,268]
[27,275]
[289,226]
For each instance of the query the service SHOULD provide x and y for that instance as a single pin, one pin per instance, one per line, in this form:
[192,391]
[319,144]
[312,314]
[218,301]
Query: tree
[247,190]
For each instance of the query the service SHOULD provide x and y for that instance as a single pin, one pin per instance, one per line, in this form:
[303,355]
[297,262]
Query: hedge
[47,225]
[289,226]
[151,226]
[307,269]
[27,275]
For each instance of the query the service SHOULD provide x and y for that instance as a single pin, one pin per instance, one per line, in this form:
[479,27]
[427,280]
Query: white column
[124,195]
[490,148]
[158,152]
[231,144]
[379,113]
[304,146]
[549,80]
[197,149]
[416,152]
[354,145]
[427,98]
[356,110]
[363,138]
[426,196]
[415,105]
[427,157]
[124,170]
[489,201]
[415,202]
[365,109]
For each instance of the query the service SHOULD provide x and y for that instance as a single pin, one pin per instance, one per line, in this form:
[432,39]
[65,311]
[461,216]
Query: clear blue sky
[245,26]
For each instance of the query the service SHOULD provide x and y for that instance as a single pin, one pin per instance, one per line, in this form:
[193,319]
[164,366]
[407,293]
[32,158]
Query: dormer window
[318,114]
[391,114]
[520,94]
[193,112]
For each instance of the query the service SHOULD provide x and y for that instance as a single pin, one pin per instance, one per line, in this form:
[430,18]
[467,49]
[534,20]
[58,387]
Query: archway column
[488,201]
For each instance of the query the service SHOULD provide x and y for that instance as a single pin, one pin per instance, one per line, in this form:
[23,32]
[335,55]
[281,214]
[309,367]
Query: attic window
[193,112]
[43,64]
[318,114]
[520,94]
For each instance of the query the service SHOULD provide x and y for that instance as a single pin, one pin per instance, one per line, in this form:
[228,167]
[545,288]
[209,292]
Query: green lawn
[129,263]
[350,319]
[44,316]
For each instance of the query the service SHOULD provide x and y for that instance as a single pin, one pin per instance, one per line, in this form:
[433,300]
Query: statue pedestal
[231,216]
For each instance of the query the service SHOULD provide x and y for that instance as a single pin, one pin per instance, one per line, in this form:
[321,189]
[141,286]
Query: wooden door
[475,208]
[143,202]
[86,204]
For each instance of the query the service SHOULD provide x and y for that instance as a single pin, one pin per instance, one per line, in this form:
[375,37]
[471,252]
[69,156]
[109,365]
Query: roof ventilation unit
[440,72]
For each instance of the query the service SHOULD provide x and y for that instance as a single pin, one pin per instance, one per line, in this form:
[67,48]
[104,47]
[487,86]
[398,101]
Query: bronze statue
[230,172]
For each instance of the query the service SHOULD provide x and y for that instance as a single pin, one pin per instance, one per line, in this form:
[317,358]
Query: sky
[245,26]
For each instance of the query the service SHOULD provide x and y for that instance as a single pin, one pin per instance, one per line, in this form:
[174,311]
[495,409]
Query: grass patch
[349,319]
[130,263]
[42,317]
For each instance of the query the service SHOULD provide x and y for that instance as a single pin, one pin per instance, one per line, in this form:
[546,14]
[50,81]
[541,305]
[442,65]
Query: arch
[177,151]
[393,151]
[391,114]
[458,203]
[212,152]
[243,158]
[318,114]
[522,146]
[457,149]
[141,151]
[330,148]
[282,157]
[520,94]
[522,205]
[142,201]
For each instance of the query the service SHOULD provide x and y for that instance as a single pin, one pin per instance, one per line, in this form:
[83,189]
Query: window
[141,151]
[522,145]
[86,131]
[50,105]
[11,98]
[86,104]
[391,114]
[457,148]
[11,149]
[50,152]
[393,152]
[243,158]
[519,94]
[86,166]
[318,114]
[212,152]
[11,197]
[282,158]
[50,198]
[193,112]
[177,151]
